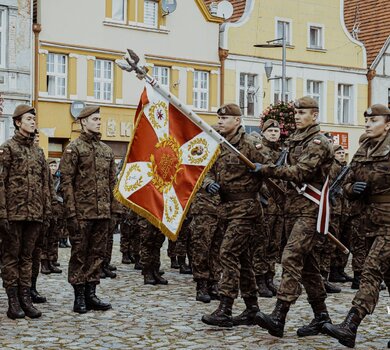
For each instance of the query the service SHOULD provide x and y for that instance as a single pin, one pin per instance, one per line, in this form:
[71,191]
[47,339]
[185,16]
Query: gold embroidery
[171,206]
[129,186]
[158,114]
[198,150]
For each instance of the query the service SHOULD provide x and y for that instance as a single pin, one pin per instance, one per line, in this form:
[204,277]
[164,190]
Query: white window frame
[124,2]
[3,33]
[156,9]
[351,104]
[245,88]
[320,96]
[198,90]
[289,41]
[322,38]
[290,94]
[102,81]
[158,75]
[57,74]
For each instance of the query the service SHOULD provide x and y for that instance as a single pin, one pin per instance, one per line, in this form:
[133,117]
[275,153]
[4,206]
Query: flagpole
[130,64]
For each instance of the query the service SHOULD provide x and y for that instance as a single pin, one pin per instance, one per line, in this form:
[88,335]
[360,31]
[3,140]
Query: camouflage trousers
[358,242]
[267,253]
[130,237]
[236,258]
[37,254]
[171,249]
[110,240]
[17,250]
[151,242]
[299,263]
[50,241]
[88,251]
[206,239]
[375,269]
[182,243]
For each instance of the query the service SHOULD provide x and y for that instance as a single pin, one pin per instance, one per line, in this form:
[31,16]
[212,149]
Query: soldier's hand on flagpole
[213,188]
[257,168]
[359,188]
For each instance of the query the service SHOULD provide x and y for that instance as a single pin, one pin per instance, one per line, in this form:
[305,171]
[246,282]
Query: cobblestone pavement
[167,317]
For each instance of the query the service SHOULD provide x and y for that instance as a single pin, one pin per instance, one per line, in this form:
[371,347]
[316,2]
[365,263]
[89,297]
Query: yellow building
[323,61]
[80,41]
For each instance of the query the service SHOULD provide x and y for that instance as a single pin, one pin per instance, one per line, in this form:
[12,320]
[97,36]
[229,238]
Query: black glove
[73,225]
[257,169]
[359,188]
[213,188]
[4,225]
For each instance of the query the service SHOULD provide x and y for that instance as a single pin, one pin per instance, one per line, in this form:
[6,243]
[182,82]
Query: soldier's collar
[300,135]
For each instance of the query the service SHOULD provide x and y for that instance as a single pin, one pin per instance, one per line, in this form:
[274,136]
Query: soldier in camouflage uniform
[369,178]
[240,214]
[309,161]
[24,206]
[182,245]
[130,239]
[88,178]
[267,252]
[206,240]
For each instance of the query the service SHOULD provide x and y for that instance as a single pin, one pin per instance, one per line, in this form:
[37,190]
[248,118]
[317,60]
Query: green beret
[87,111]
[305,102]
[22,109]
[270,123]
[230,109]
[377,109]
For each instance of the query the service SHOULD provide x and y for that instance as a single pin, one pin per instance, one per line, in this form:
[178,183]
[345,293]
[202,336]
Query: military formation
[242,221]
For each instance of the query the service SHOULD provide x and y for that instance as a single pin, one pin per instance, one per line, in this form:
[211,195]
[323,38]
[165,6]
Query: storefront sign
[340,138]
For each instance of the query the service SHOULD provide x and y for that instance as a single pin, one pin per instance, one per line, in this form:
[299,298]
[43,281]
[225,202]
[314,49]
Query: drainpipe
[370,75]
[223,54]
[36,29]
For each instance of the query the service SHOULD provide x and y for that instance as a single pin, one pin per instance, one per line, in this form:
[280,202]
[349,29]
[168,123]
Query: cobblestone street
[167,317]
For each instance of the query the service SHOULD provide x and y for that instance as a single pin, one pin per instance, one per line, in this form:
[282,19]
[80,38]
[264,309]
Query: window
[247,94]
[314,89]
[316,37]
[118,10]
[201,90]
[151,13]
[3,38]
[279,31]
[103,80]
[278,90]
[56,75]
[344,103]
[161,74]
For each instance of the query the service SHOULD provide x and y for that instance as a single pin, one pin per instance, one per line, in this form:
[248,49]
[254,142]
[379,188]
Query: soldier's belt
[379,198]
[231,197]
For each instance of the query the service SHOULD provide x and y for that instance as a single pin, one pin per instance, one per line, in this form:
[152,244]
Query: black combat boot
[92,301]
[107,271]
[356,280]
[222,316]
[345,332]
[202,293]
[25,302]
[126,258]
[111,267]
[62,243]
[137,262]
[274,322]
[53,268]
[56,263]
[174,263]
[247,317]
[329,287]
[269,280]
[262,288]
[213,290]
[35,296]
[158,278]
[184,268]
[45,269]
[148,276]
[321,317]
[347,277]
[335,275]
[14,309]
[79,299]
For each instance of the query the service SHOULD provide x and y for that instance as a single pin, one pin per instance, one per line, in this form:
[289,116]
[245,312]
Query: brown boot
[274,322]
[14,309]
[45,269]
[247,317]
[222,316]
[25,302]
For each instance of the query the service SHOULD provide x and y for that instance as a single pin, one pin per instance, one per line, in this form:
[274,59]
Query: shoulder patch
[259,145]
[317,141]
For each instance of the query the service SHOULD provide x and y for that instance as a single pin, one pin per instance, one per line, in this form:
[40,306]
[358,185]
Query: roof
[238,8]
[372,21]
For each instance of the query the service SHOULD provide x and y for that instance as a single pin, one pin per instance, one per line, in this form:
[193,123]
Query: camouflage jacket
[239,188]
[87,171]
[372,166]
[205,203]
[309,160]
[24,181]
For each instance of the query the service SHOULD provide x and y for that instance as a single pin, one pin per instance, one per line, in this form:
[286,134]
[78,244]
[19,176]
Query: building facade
[15,60]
